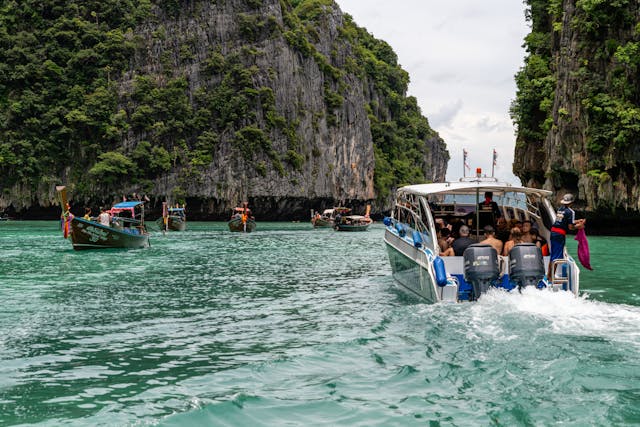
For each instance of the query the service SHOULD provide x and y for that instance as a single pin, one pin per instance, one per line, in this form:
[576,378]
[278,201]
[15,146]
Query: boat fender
[387,221]
[401,231]
[441,273]
[417,239]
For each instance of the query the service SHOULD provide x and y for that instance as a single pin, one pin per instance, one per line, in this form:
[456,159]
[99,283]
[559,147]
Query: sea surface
[291,326]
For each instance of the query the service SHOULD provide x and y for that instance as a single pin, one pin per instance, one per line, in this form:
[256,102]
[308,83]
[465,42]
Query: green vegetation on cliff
[580,82]
[66,115]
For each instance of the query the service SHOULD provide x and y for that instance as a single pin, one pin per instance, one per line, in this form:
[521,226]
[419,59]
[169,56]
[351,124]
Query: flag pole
[464,163]
[493,162]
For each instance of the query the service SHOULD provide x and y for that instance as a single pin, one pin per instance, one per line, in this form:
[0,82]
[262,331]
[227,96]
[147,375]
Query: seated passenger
[527,236]
[490,239]
[462,242]
[502,232]
[444,242]
[516,237]
[540,242]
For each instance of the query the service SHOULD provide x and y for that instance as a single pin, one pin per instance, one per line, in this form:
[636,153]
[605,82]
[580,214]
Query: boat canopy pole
[478,173]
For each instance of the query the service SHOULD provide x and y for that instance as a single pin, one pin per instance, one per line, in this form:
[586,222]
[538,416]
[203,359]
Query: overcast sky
[461,56]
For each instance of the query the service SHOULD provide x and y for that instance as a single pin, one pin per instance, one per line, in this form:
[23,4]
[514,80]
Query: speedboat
[414,253]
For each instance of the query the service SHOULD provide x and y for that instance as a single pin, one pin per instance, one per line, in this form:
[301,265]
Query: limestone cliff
[577,110]
[286,104]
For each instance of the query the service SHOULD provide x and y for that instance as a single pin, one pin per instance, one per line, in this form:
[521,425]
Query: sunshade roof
[470,187]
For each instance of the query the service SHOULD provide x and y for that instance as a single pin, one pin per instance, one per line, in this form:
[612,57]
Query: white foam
[561,312]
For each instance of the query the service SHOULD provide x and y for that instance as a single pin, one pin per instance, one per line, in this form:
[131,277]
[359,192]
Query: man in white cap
[462,242]
[565,221]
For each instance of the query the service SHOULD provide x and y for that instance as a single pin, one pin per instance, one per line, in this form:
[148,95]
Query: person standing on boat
[565,221]
[104,217]
[490,206]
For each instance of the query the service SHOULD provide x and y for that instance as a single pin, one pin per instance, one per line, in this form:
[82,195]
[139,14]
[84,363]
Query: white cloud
[461,57]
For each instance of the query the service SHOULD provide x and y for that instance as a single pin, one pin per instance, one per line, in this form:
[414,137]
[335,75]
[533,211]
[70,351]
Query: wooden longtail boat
[242,220]
[327,219]
[173,219]
[353,222]
[122,232]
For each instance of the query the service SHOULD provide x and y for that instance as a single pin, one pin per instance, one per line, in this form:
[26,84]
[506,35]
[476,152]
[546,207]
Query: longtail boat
[328,216]
[126,227]
[173,219]
[242,220]
[353,222]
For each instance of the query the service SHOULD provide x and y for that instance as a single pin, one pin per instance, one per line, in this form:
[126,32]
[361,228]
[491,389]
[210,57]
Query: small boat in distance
[327,219]
[125,227]
[241,220]
[353,222]
[173,218]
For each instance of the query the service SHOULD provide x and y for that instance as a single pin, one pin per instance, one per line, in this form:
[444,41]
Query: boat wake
[504,314]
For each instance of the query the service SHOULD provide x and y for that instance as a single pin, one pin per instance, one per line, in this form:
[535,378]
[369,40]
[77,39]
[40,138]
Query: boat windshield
[512,199]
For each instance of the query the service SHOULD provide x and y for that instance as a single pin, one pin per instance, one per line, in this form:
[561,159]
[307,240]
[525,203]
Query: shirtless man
[527,236]
[490,239]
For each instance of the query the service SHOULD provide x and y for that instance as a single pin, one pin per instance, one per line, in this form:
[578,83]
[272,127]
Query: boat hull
[173,223]
[236,225]
[410,268]
[322,223]
[92,235]
[351,227]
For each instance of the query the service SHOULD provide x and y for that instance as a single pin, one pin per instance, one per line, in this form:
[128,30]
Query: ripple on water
[292,325]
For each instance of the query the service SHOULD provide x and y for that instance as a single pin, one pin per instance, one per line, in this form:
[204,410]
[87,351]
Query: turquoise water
[295,326]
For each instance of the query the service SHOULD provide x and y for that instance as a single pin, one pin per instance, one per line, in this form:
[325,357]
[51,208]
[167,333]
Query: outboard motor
[526,265]
[480,267]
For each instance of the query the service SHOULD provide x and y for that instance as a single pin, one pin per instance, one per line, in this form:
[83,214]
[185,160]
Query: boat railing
[405,230]
[560,280]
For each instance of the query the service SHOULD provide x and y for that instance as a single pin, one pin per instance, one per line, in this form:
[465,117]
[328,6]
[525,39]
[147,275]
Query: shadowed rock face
[589,146]
[335,159]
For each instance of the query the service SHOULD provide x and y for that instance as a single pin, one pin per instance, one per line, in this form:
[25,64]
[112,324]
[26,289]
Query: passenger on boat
[87,214]
[490,238]
[105,217]
[527,237]
[502,232]
[462,242]
[540,242]
[444,242]
[516,237]
[490,207]
[565,221]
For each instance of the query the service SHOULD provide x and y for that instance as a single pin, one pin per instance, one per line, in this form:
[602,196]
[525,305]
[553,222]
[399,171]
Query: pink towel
[583,249]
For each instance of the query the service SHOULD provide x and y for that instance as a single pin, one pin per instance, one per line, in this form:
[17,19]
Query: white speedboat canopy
[471,187]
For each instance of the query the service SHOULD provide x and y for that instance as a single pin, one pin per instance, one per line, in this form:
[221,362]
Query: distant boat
[242,220]
[353,223]
[174,219]
[327,219]
[122,232]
